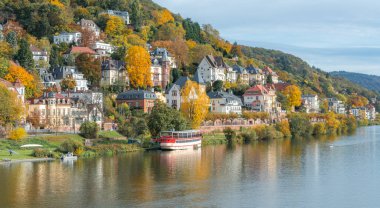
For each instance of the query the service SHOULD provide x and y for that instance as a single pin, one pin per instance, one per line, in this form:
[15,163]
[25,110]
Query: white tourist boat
[69,157]
[180,140]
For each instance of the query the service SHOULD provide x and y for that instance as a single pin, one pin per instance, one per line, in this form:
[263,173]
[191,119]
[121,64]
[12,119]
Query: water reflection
[279,173]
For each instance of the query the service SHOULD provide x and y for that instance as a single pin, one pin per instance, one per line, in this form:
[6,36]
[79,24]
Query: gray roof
[113,65]
[160,52]
[238,69]
[136,95]
[62,72]
[180,82]
[216,62]
[226,95]
[253,70]
[46,76]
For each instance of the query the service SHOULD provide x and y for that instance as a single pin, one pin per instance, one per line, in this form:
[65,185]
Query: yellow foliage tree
[163,17]
[195,103]
[293,95]
[57,3]
[115,26]
[17,134]
[31,82]
[138,67]
[10,107]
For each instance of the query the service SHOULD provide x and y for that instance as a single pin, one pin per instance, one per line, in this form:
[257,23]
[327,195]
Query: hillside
[39,21]
[371,82]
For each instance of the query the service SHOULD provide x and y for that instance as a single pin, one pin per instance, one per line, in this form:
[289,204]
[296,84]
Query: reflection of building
[139,99]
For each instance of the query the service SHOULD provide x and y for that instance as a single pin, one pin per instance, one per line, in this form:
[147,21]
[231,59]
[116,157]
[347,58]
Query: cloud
[344,31]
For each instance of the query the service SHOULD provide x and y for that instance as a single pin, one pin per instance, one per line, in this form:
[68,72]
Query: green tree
[24,55]
[193,30]
[89,130]
[54,59]
[136,14]
[163,118]
[11,38]
[300,125]
[4,65]
[269,79]
[217,85]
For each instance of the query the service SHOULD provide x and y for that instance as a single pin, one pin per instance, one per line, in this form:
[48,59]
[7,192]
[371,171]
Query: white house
[224,102]
[40,57]
[256,75]
[261,98]
[213,68]
[102,48]
[68,38]
[114,72]
[63,72]
[90,25]
[242,74]
[336,105]
[311,103]
[122,14]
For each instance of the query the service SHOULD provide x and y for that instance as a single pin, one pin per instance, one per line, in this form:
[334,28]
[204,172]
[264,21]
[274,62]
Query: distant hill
[371,82]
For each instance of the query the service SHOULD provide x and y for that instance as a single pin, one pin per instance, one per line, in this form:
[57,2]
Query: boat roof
[186,131]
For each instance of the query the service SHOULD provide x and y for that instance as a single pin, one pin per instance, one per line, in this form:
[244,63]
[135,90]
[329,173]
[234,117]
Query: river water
[323,172]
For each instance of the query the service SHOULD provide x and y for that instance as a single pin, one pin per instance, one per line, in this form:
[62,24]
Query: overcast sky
[330,34]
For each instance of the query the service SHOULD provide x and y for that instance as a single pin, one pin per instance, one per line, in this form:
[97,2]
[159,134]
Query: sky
[330,34]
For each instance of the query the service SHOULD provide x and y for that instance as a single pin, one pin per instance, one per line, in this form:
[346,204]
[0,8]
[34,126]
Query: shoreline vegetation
[297,125]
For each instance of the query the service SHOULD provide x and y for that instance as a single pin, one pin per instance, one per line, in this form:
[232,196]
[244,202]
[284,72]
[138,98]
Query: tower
[165,69]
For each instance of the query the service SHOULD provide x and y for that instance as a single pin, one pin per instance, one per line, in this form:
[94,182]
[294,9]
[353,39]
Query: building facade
[225,103]
[311,103]
[260,98]
[68,38]
[139,99]
[114,73]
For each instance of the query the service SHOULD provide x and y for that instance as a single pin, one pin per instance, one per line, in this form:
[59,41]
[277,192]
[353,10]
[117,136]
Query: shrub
[319,129]
[71,145]
[39,152]
[249,135]
[284,128]
[229,134]
[17,134]
[89,130]
[271,133]
[300,125]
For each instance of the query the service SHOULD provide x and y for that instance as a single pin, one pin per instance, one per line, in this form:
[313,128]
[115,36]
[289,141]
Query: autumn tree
[68,83]
[10,107]
[136,14]
[115,26]
[357,101]
[236,50]
[195,103]
[170,31]
[138,67]
[6,50]
[163,16]
[293,95]
[30,81]
[4,65]
[24,55]
[90,67]
[177,48]
[199,52]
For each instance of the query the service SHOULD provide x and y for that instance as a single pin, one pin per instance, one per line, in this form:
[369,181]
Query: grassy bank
[214,138]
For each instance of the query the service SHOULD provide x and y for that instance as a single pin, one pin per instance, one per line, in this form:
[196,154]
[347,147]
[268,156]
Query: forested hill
[38,21]
[371,82]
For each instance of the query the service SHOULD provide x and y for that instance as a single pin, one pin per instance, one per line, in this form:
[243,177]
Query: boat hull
[181,146]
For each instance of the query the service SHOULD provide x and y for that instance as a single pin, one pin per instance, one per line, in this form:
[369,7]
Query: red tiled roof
[256,90]
[77,49]
[278,86]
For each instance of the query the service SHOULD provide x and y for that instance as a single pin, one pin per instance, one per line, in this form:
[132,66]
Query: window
[174,93]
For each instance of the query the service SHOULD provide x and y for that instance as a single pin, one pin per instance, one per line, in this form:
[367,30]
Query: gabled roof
[113,65]
[180,82]
[216,62]
[253,70]
[225,95]
[278,86]
[238,69]
[256,90]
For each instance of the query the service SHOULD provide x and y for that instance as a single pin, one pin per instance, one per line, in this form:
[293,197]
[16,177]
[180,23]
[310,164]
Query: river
[323,172]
